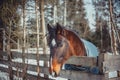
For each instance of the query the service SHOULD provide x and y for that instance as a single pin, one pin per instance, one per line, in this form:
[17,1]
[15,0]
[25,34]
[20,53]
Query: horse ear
[59,28]
[49,27]
[64,32]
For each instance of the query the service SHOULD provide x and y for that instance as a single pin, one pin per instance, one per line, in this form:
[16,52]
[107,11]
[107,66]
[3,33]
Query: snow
[3,76]
[112,74]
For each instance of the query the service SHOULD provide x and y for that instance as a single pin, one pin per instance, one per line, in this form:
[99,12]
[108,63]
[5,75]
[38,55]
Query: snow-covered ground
[3,76]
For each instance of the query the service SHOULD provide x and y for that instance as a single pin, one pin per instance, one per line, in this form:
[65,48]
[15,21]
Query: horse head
[60,55]
[66,45]
[51,35]
[59,47]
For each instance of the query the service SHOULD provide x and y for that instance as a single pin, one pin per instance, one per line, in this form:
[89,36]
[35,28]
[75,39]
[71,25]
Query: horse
[51,43]
[66,44]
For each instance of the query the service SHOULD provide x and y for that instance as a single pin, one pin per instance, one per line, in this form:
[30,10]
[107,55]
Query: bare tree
[65,12]
[113,31]
[38,39]
[24,40]
[42,22]
[55,12]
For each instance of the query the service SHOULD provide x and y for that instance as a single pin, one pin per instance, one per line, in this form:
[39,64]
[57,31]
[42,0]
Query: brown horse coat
[67,44]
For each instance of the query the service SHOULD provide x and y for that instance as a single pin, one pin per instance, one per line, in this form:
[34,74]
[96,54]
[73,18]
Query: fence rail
[105,63]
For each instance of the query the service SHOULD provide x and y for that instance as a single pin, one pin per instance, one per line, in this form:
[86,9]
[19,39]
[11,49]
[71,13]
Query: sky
[90,13]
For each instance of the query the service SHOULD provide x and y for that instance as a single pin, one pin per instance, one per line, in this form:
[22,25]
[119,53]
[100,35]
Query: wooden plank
[119,73]
[90,61]
[43,70]
[111,65]
[75,75]
[108,57]
[28,56]
[117,78]
[100,62]
[85,61]
[28,76]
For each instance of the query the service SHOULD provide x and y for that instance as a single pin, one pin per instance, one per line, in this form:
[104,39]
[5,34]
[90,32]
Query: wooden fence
[106,64]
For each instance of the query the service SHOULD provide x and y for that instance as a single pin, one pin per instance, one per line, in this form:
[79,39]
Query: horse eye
[60,59]
[60,44]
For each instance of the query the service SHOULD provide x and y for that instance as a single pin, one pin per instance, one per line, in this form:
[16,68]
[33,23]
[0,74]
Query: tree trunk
[113,34]
[24,40]
[37,27]
[8,52]
[4,42]
[44,32]
[65,13]
[101,35]
[18,44]
[54,13]
[24,33]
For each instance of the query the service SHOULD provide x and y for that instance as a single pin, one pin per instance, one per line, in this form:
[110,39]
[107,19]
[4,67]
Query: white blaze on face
[51,66]
[51,62]
[53,42]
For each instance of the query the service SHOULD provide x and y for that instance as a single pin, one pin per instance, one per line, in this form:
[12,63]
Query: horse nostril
[50,71]
[55,74]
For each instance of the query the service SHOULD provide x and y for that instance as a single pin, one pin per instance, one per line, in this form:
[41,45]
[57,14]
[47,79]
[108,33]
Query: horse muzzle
[53,72]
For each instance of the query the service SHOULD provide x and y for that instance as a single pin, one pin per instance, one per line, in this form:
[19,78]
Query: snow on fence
[30,50]
[107,65]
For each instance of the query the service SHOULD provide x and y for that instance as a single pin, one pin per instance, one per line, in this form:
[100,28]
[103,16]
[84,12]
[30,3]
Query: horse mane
[74,39]
[72,31]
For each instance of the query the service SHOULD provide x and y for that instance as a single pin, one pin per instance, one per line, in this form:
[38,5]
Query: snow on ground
[3,76]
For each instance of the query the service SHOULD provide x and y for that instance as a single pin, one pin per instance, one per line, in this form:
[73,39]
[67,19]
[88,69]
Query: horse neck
[77,46]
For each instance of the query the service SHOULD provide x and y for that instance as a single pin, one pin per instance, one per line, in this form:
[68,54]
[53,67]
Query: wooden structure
[106,63]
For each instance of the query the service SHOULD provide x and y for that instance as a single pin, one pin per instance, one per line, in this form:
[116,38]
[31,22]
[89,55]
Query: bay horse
[66,44]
